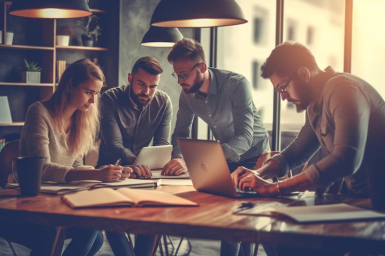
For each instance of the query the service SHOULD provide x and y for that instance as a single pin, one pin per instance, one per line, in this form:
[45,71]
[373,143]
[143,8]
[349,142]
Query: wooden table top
[213,219]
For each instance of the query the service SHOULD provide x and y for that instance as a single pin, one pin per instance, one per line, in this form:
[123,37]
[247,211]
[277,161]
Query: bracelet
[279,191]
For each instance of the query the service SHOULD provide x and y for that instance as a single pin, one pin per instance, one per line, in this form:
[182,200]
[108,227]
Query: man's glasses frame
[185,76]
[283,89]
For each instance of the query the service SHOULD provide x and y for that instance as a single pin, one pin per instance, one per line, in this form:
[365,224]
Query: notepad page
[325,213]
[96,197]
[152,197]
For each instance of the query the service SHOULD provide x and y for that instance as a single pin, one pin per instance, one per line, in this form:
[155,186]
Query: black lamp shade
[197,13]
[50,9]
[161,37]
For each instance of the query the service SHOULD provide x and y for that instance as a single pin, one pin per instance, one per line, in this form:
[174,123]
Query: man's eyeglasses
[283,88]
[185,76]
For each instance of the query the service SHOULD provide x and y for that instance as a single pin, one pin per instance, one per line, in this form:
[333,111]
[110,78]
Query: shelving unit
[40,47]
[80,48]
[12,124]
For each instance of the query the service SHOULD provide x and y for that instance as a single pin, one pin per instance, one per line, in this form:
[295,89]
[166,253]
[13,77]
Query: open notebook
[104,197]
[319,213]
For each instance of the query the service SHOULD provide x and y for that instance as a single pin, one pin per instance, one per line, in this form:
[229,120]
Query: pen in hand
[118,161]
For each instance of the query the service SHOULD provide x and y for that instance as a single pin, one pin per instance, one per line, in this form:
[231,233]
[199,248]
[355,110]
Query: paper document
[174,182]
[319,213]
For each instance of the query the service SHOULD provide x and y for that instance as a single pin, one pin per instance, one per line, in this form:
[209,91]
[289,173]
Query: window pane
[368,53]
[319,25]
[244,48]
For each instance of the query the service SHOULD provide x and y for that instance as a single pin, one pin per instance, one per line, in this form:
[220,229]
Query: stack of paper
[319,213]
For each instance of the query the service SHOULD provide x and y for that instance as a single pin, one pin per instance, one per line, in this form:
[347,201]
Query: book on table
[318,213]
[131,183]
[58,188]
[51,189]
[104,197]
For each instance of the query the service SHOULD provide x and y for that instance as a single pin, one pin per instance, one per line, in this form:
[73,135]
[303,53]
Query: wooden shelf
[27,47]
[24,84]
[12,124]
[98,11]
[81,48]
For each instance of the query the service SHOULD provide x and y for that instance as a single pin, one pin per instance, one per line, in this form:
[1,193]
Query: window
[329,24]
[255,74]
[239,52]
[368,52]
[309,35]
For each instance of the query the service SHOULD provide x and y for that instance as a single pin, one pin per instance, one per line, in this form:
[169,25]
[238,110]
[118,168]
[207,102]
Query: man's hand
[176,167]
[110,173]
[246,179]
[140,172]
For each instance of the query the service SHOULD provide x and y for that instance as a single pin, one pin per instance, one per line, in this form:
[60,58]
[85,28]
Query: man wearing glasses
[222,99]
[345,116]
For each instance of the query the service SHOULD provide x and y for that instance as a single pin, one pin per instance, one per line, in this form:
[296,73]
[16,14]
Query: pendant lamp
[50,9]
[197,13]
[161,37]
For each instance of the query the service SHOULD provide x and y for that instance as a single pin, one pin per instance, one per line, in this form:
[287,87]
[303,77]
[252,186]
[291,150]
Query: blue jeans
[84,242]
[122,247]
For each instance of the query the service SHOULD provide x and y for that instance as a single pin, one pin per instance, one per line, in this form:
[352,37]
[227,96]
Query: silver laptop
[208,168]
[156,157]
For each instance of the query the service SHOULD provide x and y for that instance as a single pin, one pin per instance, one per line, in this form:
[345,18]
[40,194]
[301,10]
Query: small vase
[62,40]
[31,77]
[88,43]
[9,38]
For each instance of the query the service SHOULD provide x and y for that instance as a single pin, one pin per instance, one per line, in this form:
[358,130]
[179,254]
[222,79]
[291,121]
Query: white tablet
[154,157]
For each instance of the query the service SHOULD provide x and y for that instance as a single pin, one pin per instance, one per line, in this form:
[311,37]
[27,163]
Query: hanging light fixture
[161,37]
[197,13]
[50,9]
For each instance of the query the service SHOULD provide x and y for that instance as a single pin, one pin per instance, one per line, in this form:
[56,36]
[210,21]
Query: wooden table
[213,219]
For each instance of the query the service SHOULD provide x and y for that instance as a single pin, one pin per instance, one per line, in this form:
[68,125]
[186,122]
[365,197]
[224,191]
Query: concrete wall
[135,16]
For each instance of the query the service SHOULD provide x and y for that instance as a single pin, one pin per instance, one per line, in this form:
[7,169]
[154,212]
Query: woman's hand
[245,179]
[111,173]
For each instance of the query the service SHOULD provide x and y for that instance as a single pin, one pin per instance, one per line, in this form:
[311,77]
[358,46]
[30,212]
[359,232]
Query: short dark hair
[148,64]
[186,48]
[287,58]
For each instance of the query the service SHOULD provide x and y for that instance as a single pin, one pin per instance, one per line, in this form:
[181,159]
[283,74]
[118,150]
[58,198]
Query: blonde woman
[64,129]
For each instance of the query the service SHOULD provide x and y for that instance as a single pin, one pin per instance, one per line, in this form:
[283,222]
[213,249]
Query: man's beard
[193,89]
[305,95]
[135,98]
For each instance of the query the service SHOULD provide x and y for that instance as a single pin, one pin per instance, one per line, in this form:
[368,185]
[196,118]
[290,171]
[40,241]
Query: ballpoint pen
[118,161]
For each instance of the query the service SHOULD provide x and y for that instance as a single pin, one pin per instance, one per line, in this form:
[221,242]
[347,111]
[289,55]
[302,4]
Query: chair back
[9,151]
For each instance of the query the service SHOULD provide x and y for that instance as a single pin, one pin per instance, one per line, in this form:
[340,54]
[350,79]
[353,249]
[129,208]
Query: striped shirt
[229,111]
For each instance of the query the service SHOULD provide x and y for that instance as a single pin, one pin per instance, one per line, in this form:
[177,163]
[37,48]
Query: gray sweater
[41,138]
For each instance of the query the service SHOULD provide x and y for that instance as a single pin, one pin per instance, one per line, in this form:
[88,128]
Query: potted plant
[31,73]
[63,35]
[92,31]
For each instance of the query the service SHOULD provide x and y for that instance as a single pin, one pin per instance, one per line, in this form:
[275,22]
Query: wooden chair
[10,150]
